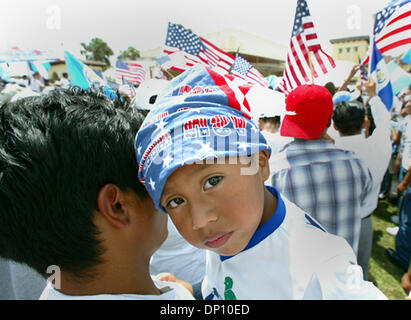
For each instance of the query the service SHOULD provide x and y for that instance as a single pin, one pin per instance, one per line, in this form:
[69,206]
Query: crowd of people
[197,199]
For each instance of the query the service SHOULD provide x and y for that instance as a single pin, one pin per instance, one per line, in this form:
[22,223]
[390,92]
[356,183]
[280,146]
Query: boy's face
[216,206]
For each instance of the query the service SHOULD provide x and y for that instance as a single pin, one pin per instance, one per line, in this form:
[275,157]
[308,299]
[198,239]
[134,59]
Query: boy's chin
[229,252]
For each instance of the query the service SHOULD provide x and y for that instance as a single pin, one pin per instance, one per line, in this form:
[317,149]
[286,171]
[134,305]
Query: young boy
[204,162]
[71,204]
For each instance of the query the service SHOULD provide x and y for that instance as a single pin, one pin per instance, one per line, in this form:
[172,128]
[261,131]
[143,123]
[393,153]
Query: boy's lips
[218,240]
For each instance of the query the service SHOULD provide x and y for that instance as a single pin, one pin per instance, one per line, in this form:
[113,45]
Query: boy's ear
[111,205]
[264,166]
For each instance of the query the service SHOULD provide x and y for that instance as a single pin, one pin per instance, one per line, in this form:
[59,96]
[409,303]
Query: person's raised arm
[352,73]
[379,112]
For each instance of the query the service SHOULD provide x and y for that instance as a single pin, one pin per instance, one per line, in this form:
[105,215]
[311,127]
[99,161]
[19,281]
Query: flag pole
[231,67]
[166,72]
[371,47]
[311,66]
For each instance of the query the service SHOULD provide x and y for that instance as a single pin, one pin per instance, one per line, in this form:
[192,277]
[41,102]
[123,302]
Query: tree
[130,54]
[97,50]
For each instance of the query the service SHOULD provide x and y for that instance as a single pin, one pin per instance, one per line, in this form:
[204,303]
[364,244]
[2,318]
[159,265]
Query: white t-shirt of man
[35,85]
[406,153]
[277,143]
[172,291]
[375,151]
[291,257]
[65,83]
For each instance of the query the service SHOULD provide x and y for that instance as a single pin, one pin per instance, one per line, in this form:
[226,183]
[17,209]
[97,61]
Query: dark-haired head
[56,152]
[331,87]
[348,117]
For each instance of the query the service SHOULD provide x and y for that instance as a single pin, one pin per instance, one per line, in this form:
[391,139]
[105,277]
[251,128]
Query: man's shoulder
[322,152]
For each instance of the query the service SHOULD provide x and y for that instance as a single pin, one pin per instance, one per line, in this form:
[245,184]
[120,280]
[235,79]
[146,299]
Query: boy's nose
[203,212]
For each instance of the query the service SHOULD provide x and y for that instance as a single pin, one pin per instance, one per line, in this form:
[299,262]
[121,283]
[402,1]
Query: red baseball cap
[309,109]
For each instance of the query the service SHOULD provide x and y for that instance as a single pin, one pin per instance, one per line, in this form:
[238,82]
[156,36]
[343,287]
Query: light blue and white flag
[80,74]
[85,77]
[380,74]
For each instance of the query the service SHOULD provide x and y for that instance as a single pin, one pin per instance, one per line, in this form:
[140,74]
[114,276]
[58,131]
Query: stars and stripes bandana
[199,116]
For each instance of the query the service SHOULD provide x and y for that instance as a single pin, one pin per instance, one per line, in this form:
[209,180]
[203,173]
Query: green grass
[383,273]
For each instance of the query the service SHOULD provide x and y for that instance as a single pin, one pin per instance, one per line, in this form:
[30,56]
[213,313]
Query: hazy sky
[63,24]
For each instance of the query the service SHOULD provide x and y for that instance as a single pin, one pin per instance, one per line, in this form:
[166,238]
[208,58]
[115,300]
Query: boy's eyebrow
[199,167]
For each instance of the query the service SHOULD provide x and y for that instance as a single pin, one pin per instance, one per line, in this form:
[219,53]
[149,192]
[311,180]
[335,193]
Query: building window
[348,50]
[340,50]
[356,49]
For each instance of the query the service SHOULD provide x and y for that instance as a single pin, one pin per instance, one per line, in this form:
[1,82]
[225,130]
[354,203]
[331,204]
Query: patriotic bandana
[200,115]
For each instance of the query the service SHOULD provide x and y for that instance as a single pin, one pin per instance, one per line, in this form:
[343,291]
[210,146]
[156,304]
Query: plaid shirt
[327,182]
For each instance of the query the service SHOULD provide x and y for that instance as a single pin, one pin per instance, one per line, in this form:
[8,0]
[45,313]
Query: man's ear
[111,205]
[264,166]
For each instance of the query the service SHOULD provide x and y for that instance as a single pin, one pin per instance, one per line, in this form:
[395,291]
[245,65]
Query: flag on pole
[392,28]
[380,74]
[243,69]
[363,71]
[186,49]
[305,58]
[131,71]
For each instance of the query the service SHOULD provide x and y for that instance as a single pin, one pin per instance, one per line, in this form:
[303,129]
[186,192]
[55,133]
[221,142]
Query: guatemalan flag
[381,77]
[84,77]
[81,75]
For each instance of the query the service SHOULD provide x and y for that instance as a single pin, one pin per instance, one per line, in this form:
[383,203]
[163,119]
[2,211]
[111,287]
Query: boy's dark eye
[212,182]
[175,203]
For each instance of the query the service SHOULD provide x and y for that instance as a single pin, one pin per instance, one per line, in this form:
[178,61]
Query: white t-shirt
[277,143]
[290,257]
[176,292]
[65,83]
[179,258]
[36,85]
[375,151]
[406,135]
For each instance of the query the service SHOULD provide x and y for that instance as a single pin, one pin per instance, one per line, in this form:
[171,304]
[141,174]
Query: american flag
[132,72]
[304,42]
[392,28]
[185,49]
[241,68]
[363,71]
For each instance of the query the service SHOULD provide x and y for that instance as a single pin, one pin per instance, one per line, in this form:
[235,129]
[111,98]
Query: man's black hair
[272,120]
[349,117]
[56,152]
[330,86]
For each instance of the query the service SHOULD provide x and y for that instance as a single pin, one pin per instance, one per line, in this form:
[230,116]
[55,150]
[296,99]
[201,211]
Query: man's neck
[108,278]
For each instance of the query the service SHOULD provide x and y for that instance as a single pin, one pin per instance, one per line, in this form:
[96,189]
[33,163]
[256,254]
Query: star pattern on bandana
[167,160]
[152,184]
